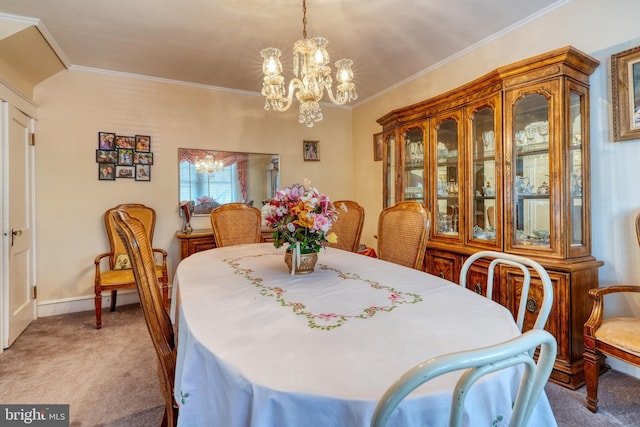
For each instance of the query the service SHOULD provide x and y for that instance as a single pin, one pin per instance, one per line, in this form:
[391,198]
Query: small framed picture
[106,156]
[142,158]
[125,156]
[143,172]
[143,143]
[106,171]
[625,91]
[125,171]
[106,141]
[378,146]
[310,151]
[125,142]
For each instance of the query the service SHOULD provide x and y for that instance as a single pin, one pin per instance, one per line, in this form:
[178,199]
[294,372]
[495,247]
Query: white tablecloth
[258,347]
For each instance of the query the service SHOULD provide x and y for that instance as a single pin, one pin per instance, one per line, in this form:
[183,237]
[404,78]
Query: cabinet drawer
[477,277]
[511,287]
[443,264]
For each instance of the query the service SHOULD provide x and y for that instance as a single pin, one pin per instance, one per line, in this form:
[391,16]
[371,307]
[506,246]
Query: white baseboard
[623,367]
[86,303]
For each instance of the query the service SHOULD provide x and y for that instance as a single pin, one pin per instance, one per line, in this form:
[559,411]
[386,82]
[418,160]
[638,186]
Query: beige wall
[74,105]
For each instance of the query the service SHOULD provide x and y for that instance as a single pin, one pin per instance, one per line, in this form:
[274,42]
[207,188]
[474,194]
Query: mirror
[212,178]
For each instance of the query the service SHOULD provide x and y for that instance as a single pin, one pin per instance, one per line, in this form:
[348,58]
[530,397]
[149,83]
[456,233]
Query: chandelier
[208,165]
[312,76]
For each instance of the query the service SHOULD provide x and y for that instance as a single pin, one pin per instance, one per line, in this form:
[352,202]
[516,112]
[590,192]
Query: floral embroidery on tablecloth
[183,397]
[324,321]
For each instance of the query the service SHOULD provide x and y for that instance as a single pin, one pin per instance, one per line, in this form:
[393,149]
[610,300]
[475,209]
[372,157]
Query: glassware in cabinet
[413,183]
[447,135]
[531,177]
[485,142]
[389,169]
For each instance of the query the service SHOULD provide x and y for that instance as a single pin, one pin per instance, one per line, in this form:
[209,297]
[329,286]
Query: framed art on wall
[625,92]
[311,151]
[106,171]
[377,146]
[143,172]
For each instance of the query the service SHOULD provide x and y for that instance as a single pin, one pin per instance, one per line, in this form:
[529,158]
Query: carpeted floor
[108,376]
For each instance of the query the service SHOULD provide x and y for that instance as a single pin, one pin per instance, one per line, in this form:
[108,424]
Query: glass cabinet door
[531,179]
[448,192]
[389,169]
[413,164]
[579,243]
[486,140]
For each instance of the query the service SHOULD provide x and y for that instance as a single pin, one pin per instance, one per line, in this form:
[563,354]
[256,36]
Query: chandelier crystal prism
[312,76]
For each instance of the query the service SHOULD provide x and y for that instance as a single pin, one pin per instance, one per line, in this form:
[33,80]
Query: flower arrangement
[302,218]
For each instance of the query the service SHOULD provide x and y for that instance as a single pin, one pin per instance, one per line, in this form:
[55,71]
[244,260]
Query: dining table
[258,346]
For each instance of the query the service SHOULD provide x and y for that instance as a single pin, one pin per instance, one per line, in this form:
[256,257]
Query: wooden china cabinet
[502,163]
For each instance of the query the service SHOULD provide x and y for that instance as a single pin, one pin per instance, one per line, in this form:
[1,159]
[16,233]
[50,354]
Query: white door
[18,228]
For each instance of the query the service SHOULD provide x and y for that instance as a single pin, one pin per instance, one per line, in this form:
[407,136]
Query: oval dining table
[259,347]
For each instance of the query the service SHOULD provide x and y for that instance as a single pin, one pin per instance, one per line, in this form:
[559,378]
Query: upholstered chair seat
[621,332]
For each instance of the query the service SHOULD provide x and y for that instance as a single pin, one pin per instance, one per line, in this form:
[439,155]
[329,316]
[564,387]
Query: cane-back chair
[118,274]
[236,224]
[403,231]
[476,364]
[348,227]
[138,246]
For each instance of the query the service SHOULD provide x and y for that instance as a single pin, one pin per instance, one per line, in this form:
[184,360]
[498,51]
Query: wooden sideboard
[203,239]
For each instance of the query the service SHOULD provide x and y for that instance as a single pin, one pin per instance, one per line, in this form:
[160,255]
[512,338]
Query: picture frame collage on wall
[120,156]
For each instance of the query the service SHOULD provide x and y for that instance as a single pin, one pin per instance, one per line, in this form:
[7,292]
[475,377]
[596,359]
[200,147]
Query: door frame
[10,96]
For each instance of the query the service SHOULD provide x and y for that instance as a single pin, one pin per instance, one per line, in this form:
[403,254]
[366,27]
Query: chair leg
[591,373]
[114,296]
[165,295]
[98,303]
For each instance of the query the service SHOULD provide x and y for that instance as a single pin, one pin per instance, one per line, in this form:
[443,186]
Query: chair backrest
[403,231]
[134,237]
[236,224]
[523,263]
[145,214]
[348,227]
[477,363]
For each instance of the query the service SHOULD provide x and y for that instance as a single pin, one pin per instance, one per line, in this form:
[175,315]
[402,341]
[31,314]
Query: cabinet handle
[477,288]
[441,274]
[532,305]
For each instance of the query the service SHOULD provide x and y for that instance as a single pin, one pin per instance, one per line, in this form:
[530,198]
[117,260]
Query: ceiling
[218,42]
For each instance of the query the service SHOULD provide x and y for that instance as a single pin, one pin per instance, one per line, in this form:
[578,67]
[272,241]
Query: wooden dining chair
[403,231]
[477,363]
[236,224]
[134,237]
[113,269]
[527,303]
[618,337]
[348,227]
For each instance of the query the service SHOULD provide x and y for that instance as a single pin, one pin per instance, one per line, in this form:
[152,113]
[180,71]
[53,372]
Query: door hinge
[33,138]
[35,292]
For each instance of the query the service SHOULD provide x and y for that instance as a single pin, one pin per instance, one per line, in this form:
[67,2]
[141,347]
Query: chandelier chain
[304,19]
